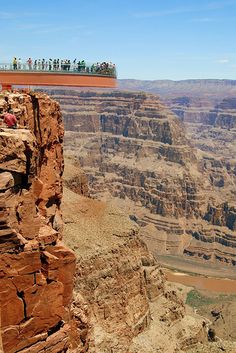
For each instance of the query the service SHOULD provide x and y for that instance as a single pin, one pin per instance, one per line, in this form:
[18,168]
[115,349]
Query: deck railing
[101,69]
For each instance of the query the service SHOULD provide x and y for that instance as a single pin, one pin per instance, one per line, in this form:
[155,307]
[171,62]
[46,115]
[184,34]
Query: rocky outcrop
[36,271]
[120,288]
[134,150]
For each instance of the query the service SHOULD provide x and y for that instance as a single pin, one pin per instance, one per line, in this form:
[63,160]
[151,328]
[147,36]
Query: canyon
[87,282]
[138,154]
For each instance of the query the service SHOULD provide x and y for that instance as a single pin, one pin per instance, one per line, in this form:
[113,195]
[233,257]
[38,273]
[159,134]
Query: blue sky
[147,39]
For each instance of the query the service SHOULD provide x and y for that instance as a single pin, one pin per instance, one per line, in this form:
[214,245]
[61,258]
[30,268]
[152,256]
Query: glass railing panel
[103,69]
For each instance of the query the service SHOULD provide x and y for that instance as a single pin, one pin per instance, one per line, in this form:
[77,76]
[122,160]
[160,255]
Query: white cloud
[222,61]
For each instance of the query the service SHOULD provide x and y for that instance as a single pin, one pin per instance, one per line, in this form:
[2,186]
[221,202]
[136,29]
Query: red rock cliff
[36,269]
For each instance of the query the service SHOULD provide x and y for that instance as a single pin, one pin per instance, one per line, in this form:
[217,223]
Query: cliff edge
[36,269]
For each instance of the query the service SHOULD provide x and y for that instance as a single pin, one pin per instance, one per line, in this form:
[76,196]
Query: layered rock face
[36,271]
[210,126]
[132,148]
[122,298]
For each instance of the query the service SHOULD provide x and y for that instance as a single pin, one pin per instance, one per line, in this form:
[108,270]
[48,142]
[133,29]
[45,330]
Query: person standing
[39,64]
[30,62]
[74,65]
[14,63]
[19,64]
[83,65]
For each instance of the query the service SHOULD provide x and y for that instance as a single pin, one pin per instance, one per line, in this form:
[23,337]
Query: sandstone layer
[124,295]
[134,150]
[36,269]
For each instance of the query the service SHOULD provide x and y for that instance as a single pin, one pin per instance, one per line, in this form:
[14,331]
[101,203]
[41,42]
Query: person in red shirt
[10,120]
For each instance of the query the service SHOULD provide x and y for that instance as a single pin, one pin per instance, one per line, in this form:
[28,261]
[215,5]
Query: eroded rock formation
[125,297]
[36,269]
[132,148]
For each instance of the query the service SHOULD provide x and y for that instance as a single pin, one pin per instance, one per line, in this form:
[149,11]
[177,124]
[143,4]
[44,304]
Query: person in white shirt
[19,64]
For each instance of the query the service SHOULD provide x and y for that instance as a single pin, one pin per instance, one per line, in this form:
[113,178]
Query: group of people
[64,65]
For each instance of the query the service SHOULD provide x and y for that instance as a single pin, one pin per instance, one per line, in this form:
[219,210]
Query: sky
[146,39]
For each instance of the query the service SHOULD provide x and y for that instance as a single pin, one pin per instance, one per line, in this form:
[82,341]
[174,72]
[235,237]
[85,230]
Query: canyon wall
[36,269]
[120,289]
[121,301]
[134,150]
[211,128]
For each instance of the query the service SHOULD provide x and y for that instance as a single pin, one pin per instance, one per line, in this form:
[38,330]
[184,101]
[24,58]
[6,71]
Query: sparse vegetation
[195,299]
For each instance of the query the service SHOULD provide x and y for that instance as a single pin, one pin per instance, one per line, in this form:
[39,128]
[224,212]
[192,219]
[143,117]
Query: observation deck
[89,75]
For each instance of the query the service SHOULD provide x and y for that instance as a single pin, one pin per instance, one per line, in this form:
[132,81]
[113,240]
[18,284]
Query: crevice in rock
[25,177]
[21,295]
[53,200]
[56,328]
[44,267]
[37,130]
[18,217]
[10,157]
[48,280]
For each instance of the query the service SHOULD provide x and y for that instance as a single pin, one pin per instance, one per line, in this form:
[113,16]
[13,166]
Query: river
[219,285]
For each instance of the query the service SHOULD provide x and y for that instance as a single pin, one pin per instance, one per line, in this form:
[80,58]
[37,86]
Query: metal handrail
[52,67]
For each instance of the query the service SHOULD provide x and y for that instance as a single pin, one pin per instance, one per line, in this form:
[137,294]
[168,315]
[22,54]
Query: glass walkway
[57,73]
